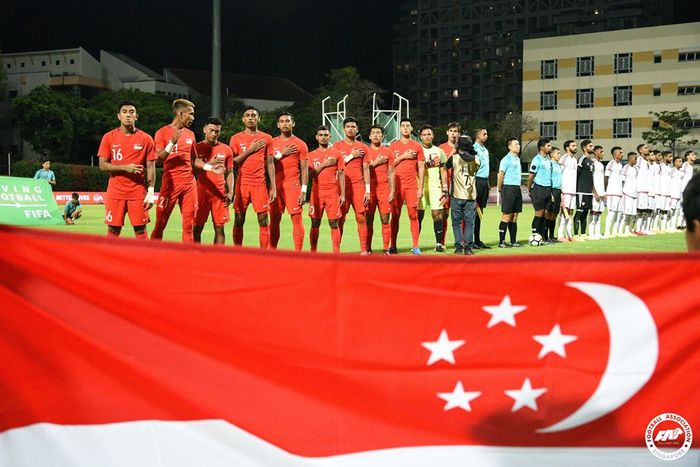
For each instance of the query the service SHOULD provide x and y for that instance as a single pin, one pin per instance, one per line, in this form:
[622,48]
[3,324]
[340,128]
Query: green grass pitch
[92,222]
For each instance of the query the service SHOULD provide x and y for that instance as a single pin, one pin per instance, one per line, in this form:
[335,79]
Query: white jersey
[676,183]
[614,173]
[643,175]
[687,170]
[657,174]
[569,167]
[599,177]
[665,180]
[629,176]
[653,179]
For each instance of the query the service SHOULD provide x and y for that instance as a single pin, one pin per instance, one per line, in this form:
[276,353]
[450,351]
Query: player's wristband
[347,158]
[278,155]
[150,195]
[169,147]
[208,167]
[303,188]
[366,187]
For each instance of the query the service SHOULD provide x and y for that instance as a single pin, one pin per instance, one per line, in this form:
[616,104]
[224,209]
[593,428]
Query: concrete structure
[123,72]
[462,59]
[602,86]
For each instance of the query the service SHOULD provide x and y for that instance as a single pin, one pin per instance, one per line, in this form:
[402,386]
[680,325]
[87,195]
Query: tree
[672,128]
[154,111]
[51,121]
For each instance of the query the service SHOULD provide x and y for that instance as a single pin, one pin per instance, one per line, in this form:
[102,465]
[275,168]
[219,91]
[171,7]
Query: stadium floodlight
[389,119]
[334,120]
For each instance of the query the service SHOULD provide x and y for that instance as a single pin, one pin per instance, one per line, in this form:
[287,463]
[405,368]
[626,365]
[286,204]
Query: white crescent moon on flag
[634,350]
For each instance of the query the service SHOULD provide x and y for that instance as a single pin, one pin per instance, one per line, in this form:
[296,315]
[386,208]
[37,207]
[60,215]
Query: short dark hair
[655,151]
[285,113]
[675,158]
[555,148]
[251,107]
[585,143]
[213,121]
[666,153]
[631,154]
[568,143]
[322,128]
[405,119]
[349,120]
[75,195]
[425,127]
[124,103]
[376,127]
[615,148]
[597,148]
[688,153]
[454,125]
[510,140]
[542,143]
[691,202]
[44,161]
[640,146]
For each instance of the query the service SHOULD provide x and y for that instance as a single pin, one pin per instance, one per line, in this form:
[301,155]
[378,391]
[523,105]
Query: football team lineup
[268,176]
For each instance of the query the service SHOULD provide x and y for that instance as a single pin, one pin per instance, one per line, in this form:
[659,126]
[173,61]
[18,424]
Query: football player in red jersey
[175,146]
[409,166]
[252,153]
[325,167]
[212,188]
[290,154]
[381,176]
[125,152]
[356,180]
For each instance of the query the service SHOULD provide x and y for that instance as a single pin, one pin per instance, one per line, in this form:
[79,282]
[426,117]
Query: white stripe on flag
[216,443]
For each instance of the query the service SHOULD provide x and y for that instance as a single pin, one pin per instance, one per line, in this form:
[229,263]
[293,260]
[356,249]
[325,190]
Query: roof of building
[134,64]
[272,88]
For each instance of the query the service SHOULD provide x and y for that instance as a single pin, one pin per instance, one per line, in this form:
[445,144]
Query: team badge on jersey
[138,147]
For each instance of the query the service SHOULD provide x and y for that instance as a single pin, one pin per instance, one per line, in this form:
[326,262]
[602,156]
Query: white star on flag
[458,398]
[442,349]
[525,396]
[504,312]
[554,342]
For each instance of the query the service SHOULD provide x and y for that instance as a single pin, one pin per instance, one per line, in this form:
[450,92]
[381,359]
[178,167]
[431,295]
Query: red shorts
[379,197]
[216,205]
[355,196]
[328,200]
[287,197]
[116,210]
[405,192]
[185,195]
[246,194]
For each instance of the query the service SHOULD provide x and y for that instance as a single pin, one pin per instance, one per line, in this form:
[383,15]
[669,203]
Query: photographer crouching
[464,164]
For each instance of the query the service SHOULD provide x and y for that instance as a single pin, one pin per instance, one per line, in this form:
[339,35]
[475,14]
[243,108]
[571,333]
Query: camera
[465,147]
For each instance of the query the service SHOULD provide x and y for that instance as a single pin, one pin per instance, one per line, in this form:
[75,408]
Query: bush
[72,177]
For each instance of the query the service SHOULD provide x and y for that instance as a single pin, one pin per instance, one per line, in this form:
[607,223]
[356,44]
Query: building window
[688,90]
[21,64]
[9,66]
[622,128]
[58,62]
[657,58]
[72,61]
[691,124]
[584,98]
[548,130]
[455,93]
[548,69]
[622,95]
[584,66]
[657,91]
[548,100]
[43,63]
[689,56]
[584,129]
[623,63]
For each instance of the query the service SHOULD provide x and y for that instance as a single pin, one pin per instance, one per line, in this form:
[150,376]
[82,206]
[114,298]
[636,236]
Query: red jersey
[177,167]
[379,175]
[327,180]
[213,183]
[252,171]
[353,169]
[287,168]
[120,149]
[407,169]
[447,149]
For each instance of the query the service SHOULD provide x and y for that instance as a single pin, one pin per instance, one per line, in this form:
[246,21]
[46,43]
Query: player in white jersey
[569,169]
[643,182]
[687,169]
[652,158]
[663,194]
[598,204]
[676,193]
[613,193]
[629,194]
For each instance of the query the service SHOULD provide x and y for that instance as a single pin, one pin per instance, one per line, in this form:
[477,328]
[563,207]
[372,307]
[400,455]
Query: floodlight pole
[216,59]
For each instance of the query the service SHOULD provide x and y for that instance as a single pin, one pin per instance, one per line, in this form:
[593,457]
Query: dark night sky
[302,40]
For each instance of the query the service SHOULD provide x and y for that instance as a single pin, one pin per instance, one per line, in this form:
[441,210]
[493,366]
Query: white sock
[562,226]
[609,222]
